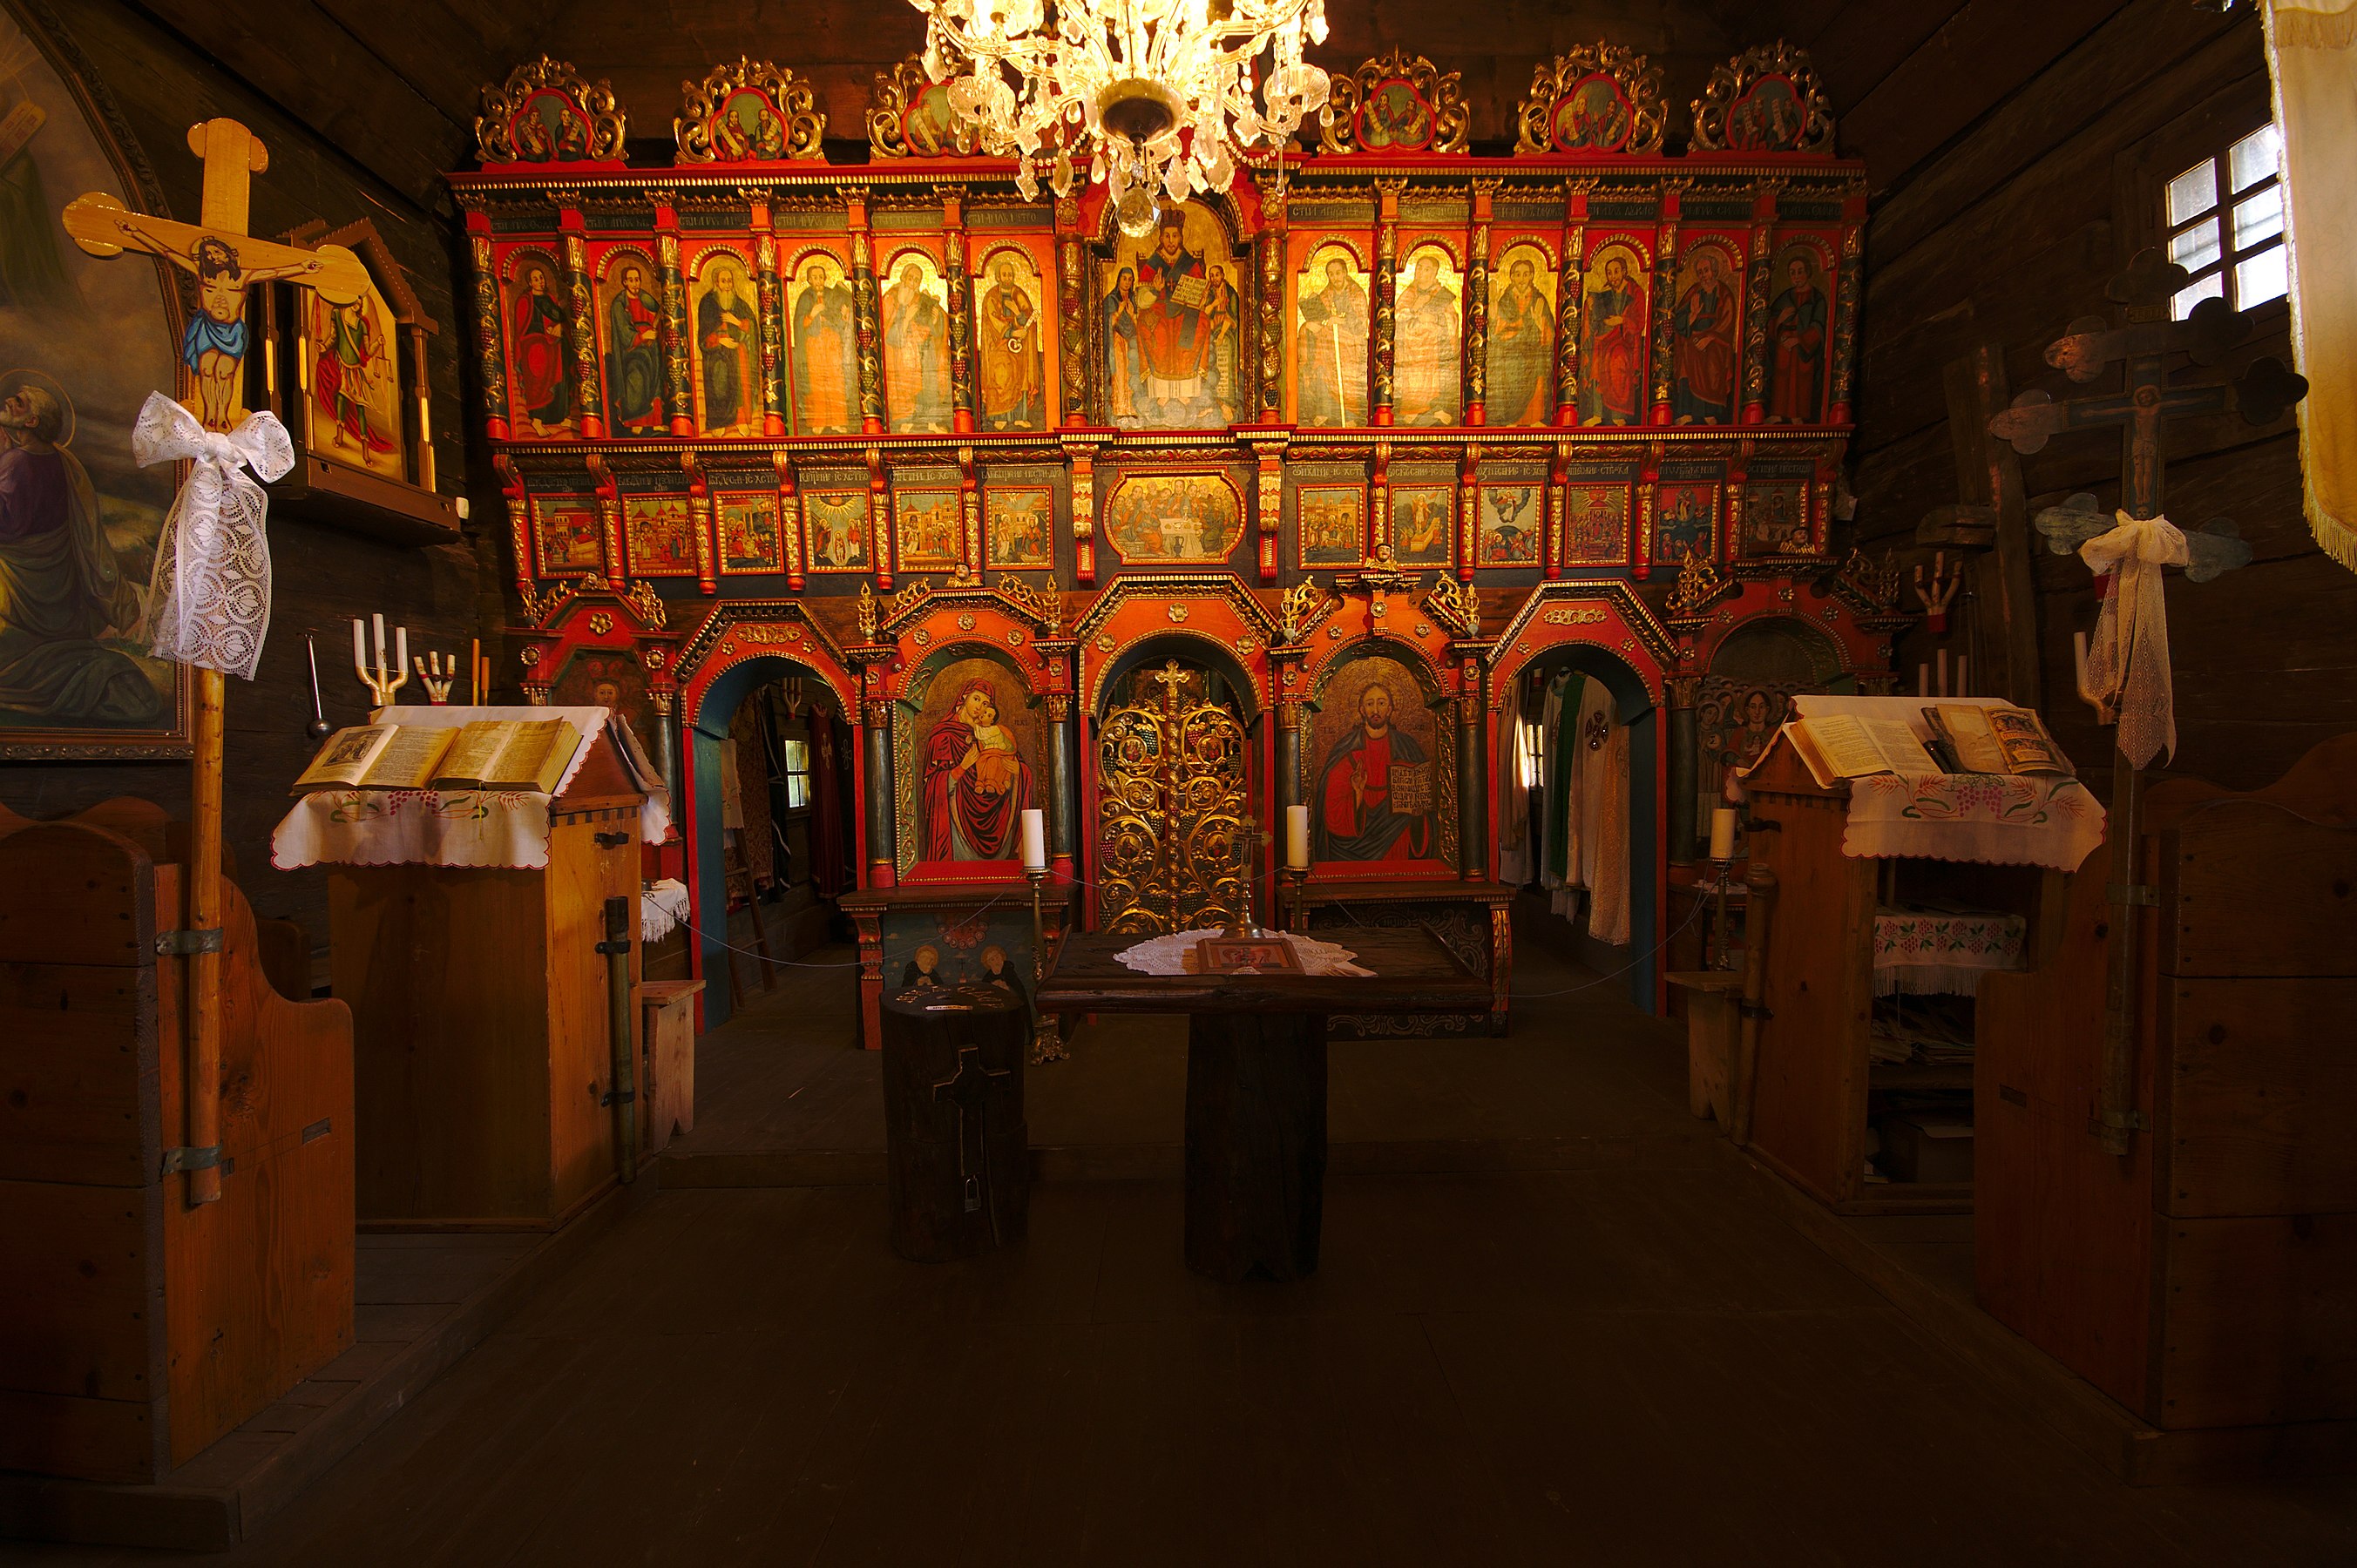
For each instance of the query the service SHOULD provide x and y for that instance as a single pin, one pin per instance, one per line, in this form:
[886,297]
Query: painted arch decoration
[1597,99]
[1395,103]
[750,112]
[545,114]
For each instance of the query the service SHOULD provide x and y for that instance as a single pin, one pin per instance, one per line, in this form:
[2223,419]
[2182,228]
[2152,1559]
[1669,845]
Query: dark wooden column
[883,858]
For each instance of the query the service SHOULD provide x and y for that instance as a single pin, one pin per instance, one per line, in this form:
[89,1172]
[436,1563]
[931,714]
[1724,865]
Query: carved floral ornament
[909,116]
[1395,103]
[1766,100]
[751,112]
[544,114]
[1599,98]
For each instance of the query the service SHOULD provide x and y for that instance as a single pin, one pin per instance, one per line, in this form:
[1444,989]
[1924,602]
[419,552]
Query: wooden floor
[1617,1353]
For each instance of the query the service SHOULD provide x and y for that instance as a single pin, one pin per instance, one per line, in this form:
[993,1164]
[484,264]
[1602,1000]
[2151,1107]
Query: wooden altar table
[1256,1078]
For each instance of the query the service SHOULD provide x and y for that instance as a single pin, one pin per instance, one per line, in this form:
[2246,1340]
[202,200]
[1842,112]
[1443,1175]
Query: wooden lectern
[483,1043]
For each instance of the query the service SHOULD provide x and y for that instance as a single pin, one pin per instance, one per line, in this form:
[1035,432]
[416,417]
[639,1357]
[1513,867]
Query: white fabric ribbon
[209,597]
[2128,661]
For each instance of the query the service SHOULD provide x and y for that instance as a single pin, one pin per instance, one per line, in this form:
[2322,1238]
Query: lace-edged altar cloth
[1178,952]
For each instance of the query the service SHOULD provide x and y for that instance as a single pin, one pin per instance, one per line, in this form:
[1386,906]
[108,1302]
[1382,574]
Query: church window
[2225,224]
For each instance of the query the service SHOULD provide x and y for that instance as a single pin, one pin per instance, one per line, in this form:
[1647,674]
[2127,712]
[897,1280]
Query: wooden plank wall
[163,84]
[2005,234]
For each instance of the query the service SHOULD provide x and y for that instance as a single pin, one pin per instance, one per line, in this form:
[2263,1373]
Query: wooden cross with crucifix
[226,262]
[2140,411]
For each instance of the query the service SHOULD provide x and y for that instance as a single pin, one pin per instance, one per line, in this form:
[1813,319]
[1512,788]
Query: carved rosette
[589,125]
[895,95]
[787,121]
[1765,100]
[1436,120]
[1559,114]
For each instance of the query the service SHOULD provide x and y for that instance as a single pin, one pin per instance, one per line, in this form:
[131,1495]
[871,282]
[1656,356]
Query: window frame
[2144,173]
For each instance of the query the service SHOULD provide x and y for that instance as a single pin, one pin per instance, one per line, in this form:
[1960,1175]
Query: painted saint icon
[975,782]
[825,349]
[1612,340]
[916,348]
[1006,334]
[1701,339]
[1522,340]
[1330,347]
[1172,321]
[634,383]
[1375,799]
[1429,388]
[1797,341]
[355,383]
[728,350]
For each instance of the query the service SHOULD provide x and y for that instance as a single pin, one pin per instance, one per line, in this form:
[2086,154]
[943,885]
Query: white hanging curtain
[2312,56]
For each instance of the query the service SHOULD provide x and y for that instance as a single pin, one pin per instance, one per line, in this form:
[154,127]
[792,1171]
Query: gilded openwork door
[1172,799]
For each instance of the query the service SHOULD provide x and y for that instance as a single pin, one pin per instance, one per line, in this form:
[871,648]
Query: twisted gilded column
[491,346]
[1477,304]
[1568,300]
[588,402]
[960,286]
[679,400]
[865,309]
[1385,325]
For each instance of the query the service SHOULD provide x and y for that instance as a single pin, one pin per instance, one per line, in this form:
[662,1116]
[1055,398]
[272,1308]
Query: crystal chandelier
[1154,93]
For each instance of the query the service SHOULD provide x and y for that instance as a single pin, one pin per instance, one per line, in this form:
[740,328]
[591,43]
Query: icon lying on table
[1246,955]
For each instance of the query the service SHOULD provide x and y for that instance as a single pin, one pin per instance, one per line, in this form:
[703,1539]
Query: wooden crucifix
[2140,410]
[226,262]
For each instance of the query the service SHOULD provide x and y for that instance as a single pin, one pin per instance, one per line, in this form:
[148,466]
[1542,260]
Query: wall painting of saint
[1686,518]
[1703,335]
[1768,119]
[977,754]
[1330,525]
[1776,520]
[1019,522]
[1010,365]
[1594,116]
[1427,384]
[825,349]
[1329,339]
[540,384]
[1799,334]
[604,678]
[571,538]
[659,534]
[726,314]
[355,414]
[836,523]
[1596,524]
[1375,792]
[1174,518]
[1522,338]
[1612,364]
[83,343]
[916,323]
[1171,317]
[1511,520]
[749,541]
[632,318]
[928,529]
[1423,525]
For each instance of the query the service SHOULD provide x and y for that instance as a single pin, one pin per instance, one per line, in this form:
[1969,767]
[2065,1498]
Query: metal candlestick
[1046,1043]
[1298,876]
[1249,837]
[1725,959]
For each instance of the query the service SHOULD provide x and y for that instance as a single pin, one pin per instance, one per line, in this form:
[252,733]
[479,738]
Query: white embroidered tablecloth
[1994,819]
[1931,952]
[506,828]
[1177,954]
[661,907]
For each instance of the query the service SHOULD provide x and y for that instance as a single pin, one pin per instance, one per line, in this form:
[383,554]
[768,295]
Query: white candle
[2079,655]
[1922,680]
[401,648]
[1964,661]
[1722,833]
[1035,840]
[359,646]
[376,622]
[1943,672]
[1297,838]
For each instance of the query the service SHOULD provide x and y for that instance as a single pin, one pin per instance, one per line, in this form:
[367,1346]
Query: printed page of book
[535,756]
[475,753]
[409,761]
[2026,747]
[1849,750]
[1896,739]
[1968,731]
[344,760]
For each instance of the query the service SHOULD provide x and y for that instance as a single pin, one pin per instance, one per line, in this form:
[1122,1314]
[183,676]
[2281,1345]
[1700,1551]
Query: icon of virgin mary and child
[976,784]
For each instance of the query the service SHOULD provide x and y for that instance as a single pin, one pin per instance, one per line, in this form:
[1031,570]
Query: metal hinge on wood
[2130,1121]
[1759,1010]
[179,944]
[622,945]
[178,1160]
[2133,893]
[624,1098]
[609,841]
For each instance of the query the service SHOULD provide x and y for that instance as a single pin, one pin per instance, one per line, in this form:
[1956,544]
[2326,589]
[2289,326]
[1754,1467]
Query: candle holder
[1298,877]
[1047,1041]
[1249,839]
[389,675]
[1723,957]
[438,675]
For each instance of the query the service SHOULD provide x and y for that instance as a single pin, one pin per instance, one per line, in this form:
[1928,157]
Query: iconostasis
[1157,531]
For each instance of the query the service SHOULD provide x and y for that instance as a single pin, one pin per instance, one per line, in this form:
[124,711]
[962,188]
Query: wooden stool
[667,1058]
[957,1150]
[1712,996]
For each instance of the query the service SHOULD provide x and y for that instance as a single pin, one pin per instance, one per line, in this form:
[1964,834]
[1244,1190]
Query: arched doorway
[1591,802]
[1176,779]
[771,783]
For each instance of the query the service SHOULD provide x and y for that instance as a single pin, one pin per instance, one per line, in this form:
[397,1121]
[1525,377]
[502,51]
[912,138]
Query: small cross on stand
[2140,411]
[226,262]
[968,1088]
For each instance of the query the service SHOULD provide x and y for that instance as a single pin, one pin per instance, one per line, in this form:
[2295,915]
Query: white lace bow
[208,600]
[2127,662]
